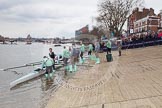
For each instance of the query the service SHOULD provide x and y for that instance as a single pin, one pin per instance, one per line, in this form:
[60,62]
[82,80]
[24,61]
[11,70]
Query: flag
[160,35]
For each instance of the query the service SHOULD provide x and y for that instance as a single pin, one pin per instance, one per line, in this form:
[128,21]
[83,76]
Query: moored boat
[57,45]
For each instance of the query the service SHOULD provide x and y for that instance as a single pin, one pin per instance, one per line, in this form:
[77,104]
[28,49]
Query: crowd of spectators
[134,41]
[143,40]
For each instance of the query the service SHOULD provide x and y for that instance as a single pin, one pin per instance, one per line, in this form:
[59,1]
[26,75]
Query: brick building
[143,21]
[149,23]
[160,15]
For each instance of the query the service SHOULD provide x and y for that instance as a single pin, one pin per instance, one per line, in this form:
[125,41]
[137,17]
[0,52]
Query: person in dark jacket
[52,56]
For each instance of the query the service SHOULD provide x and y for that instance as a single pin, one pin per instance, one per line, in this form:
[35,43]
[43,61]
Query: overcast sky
[50,18]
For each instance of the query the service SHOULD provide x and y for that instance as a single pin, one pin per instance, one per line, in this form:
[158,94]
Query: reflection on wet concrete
[46,84]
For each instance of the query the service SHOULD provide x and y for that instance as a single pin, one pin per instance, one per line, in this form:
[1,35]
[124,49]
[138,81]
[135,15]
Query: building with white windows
[141,22]
[149,23]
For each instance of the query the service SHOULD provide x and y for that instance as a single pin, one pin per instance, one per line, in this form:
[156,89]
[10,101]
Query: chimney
[145,12]
[136,10]
[152,11]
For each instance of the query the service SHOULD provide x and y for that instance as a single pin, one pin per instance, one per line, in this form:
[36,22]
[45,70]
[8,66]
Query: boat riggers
[25,65]
[34,63]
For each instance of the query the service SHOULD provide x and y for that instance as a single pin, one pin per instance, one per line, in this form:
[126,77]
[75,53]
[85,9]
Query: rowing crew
[49,63]
[70,57]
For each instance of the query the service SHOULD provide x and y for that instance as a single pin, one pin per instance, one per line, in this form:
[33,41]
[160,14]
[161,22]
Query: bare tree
[114,13]
[96,31]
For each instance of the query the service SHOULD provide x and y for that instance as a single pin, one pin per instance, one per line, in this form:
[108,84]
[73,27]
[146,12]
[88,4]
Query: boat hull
[27,77]
[36,73]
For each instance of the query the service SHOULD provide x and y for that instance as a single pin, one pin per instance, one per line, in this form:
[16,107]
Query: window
[154,22]
[143,23]
[136,25]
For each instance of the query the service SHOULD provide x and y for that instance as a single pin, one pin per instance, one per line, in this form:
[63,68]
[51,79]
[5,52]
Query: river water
[31,94]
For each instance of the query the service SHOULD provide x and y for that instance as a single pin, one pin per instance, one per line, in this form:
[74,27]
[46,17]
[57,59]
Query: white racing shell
[36,73]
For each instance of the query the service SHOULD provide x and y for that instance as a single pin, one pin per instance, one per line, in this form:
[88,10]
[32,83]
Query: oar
[29,64]
[34,63]
[20,66]
[14,67]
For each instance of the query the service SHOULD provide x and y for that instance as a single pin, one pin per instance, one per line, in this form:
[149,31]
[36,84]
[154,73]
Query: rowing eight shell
[27,77]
